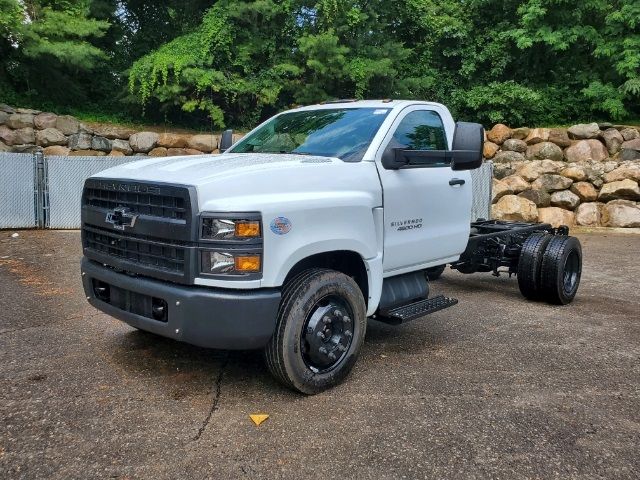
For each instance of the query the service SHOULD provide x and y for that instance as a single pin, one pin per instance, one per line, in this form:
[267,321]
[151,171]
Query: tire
[561,270]
[530,264]
[318,301]
[434,273]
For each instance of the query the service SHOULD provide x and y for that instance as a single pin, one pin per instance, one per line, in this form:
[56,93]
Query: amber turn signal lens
[247,263]
[247,229]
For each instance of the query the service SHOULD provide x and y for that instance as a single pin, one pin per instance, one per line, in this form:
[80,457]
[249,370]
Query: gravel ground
[495,387]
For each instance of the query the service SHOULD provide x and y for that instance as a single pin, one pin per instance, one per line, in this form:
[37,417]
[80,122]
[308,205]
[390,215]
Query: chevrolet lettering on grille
[121,217]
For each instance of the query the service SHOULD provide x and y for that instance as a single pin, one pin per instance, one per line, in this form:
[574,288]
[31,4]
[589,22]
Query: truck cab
[316,220]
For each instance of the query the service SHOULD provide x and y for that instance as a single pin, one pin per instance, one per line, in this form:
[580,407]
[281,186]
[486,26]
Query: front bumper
[206,317]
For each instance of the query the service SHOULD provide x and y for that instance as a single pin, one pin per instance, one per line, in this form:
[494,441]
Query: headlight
[213,228]
[230,263]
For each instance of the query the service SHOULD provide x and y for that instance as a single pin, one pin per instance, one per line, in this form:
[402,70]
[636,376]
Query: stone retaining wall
[27,131]
[586,175]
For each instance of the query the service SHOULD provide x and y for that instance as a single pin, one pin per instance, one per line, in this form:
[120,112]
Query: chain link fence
[66,176]
[18,190]
[481,181]
[45,192]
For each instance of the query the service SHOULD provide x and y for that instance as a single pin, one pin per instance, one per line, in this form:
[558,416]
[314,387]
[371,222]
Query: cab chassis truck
[318,219]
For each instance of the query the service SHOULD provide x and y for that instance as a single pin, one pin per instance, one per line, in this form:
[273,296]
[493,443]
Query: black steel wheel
[561,270]
[530,264]
[319,332]
[434,273]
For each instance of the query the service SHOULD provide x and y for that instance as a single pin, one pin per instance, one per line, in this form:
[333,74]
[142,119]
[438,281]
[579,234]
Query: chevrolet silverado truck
[317,220]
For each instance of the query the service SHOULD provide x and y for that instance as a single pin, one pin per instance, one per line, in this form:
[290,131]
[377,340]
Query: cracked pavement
[495,386]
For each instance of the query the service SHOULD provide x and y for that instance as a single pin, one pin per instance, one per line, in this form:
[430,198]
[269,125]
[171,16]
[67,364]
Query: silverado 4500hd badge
[410,224]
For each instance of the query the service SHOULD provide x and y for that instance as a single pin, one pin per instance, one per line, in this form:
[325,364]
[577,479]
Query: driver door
[427,208]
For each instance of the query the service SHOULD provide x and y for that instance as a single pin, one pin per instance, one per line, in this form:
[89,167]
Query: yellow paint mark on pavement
[258,418]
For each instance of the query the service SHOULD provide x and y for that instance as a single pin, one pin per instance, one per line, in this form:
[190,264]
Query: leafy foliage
[234,62]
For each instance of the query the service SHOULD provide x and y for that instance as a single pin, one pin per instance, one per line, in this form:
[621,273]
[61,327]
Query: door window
[421,130]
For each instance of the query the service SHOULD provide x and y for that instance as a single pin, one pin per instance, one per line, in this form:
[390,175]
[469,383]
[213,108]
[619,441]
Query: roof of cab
[365,104]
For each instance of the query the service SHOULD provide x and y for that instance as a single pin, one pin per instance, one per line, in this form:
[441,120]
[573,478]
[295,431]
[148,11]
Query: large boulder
[559,137]
[585,191]
[158,152]
[113,132]
[4,147]
[520,133]
[556,216]
[50,136]
[499,189]
[4,116]
[544,150]
[631,149]
[540,197]
[537,135]
[25,136]
[630,133]
[67,124]
[45,120]
[87,153]
[115,153]
[121,146]
[613,140]
[630,171]
[516,183]
[588,214]
[585,151]
[551,183]
[530,171]
[7,135]
[574,172]
[565,199]
[58,150]
[173,140]
[143,141]
[514,145]
[512,207]
[80,141]
[584,131]
[26,148]
[204,142]
[20,120]
[499,133]
[620,213]
[501,170]
[623,189]
[101,143]
[508,157]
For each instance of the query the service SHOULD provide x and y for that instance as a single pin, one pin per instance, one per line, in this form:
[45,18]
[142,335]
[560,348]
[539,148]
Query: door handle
[456,181]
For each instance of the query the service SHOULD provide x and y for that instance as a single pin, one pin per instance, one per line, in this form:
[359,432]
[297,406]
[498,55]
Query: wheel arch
[348,262]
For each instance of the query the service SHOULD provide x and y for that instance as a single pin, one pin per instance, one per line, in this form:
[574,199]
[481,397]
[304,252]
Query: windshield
[344,133]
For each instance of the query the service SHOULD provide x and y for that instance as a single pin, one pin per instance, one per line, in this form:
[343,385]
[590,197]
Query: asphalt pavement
[494,387]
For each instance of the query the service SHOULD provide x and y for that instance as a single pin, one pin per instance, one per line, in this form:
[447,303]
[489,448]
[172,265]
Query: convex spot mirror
[466,153]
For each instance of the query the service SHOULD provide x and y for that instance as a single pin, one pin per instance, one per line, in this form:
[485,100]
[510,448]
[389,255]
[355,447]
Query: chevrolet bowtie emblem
[121,217]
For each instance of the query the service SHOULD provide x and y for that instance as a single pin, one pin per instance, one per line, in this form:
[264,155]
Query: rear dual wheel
[549,268]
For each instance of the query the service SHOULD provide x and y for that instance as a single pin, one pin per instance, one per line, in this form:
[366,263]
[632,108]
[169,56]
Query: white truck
[317,220]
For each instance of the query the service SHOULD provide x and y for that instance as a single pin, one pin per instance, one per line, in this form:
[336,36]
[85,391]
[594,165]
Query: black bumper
[206,317]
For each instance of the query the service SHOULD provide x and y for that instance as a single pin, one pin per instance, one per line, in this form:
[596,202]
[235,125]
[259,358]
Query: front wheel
[319,331]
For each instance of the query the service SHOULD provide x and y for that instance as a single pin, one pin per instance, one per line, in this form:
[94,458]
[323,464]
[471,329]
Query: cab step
[406,313]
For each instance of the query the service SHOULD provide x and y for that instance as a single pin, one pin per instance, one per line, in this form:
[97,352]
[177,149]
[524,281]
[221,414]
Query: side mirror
[468,141]
[226,141]
[393,158]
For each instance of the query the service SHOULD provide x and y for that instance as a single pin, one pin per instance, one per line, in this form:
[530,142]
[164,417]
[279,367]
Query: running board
[406,313]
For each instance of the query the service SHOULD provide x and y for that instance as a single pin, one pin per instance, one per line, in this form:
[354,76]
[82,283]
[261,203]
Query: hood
[244,181]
